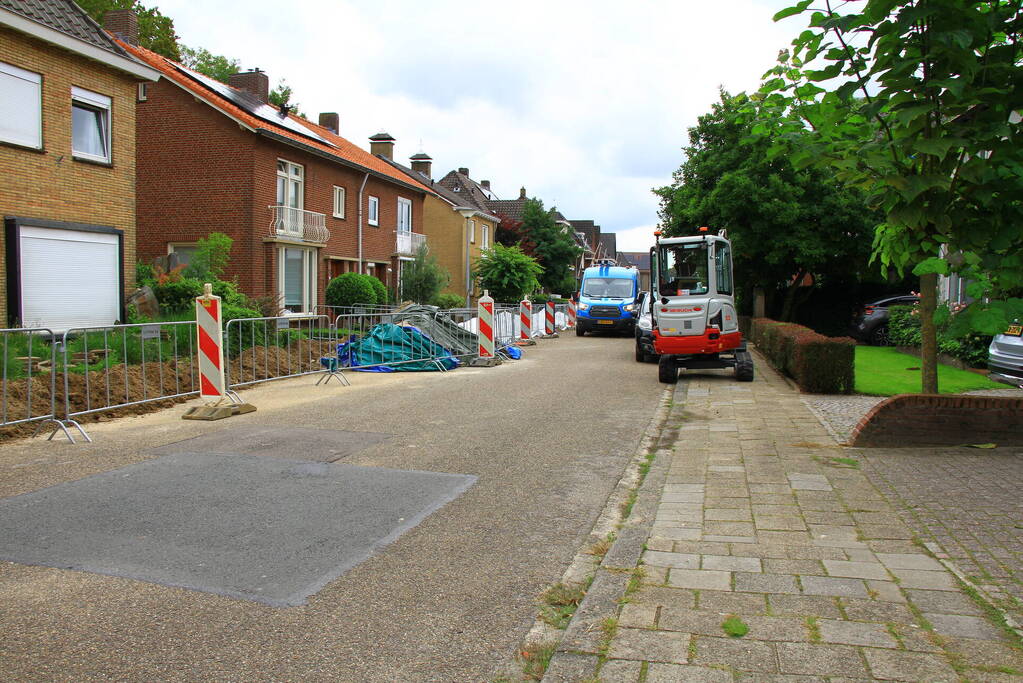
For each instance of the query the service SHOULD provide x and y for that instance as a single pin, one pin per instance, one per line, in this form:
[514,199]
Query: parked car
[644,329]
[1005,355]
[871,323]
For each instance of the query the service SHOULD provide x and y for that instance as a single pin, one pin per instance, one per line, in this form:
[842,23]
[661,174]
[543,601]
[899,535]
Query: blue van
[607,299]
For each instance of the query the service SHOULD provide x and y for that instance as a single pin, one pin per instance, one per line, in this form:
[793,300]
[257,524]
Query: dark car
[644,330]
[871,323]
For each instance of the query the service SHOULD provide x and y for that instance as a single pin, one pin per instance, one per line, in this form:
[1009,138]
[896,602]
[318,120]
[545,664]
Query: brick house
[458,226]
[302,203]
[67,156]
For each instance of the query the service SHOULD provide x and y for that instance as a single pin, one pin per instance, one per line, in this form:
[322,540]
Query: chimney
[254,82]
[422,163]
[485,184]
[382,144]
[124,24]
[522,193]
[330,121]
[464,171]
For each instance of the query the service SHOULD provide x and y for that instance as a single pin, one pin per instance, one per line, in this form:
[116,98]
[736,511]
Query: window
[289,184]
[404,215]
[21,109]
[339,202]
[374,211]
[143,92]
[297,278]
[484,236]
[90,125]
[182,253]
[472,231]
[722,268]
[683,269]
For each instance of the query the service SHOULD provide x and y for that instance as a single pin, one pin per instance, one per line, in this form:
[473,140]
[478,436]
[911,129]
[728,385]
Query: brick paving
[762,517]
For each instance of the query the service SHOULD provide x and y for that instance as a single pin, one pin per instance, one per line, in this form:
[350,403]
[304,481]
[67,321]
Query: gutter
[361,189]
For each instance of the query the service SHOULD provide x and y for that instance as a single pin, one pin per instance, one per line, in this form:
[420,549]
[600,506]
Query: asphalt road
[546,438]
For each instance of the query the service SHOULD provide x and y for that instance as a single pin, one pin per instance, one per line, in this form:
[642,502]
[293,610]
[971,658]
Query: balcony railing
[409,243]
[307,226]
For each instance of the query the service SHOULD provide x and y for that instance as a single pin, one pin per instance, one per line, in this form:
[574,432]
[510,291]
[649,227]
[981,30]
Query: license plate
[1015,330]
[605,322]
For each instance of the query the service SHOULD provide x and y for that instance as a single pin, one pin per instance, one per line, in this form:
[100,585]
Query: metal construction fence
[265,349]
[28,391]
[49,377]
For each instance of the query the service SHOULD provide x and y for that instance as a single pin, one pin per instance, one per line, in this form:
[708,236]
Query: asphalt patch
[322,445]
[270,530]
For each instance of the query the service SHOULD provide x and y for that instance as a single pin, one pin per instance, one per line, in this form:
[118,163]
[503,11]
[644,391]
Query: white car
[1005,355]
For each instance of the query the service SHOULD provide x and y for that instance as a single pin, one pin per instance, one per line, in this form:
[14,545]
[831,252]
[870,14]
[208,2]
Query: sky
[585,104]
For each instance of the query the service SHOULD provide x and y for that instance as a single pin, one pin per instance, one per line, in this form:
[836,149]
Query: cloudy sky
[585,104]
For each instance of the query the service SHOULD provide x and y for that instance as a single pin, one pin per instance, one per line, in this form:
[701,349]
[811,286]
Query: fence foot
[62,427]
[326,377]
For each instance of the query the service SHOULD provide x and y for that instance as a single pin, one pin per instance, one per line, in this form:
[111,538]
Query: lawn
[883,371]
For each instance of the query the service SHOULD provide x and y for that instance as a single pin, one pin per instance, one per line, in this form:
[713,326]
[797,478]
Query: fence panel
[266,349]
[124,365]
[404,340]
[28,390]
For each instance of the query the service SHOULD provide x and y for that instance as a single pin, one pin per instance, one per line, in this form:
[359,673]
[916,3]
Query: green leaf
[932,265]
[792,11]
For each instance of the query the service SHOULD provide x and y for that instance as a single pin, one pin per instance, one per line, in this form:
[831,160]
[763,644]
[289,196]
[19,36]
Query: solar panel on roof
[251,104]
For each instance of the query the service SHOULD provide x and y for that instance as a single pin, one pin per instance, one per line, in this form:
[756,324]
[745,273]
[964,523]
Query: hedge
[818,364]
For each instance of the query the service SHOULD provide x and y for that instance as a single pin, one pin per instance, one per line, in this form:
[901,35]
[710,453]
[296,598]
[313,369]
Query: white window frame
[20,77]
[293,174]
[143,92]
[98,104]
[472,231]
[339,201]
[484,236]
[404,209]
[373,211]
[309,275]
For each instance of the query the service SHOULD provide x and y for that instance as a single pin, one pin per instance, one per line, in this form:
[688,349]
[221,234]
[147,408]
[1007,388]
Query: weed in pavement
[559,603]
[734,626]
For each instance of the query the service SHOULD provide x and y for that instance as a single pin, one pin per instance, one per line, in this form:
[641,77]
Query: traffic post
[486,356]
[212,379]
[526,323]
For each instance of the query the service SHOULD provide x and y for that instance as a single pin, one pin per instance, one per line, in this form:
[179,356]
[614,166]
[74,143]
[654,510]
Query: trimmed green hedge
[818,364]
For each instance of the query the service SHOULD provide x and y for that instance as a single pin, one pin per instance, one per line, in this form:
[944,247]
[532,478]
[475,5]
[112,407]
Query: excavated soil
[121,384]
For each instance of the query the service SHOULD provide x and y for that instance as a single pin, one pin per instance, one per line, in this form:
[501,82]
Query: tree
[921,118]
[211,257]
[785,224]
[423,278]
[205,62]
[552,246]
[507,273]
[156,32]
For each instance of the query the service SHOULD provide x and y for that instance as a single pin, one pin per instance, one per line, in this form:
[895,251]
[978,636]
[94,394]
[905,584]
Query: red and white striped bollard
[571,314]
[485,310]
[211,345]
[548,319]
[525,320]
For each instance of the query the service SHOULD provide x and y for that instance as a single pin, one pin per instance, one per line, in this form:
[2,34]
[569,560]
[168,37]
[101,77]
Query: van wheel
[579,331]
[667,371]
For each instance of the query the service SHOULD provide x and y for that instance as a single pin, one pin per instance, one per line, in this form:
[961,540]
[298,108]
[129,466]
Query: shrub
[448,300]
[211,256]
[144,274]
[507,273]
[383,296]
[350,289]
[817,363]
[177,295]
[970,347]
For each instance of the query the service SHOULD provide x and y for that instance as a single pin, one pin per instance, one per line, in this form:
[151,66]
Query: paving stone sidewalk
[761,517]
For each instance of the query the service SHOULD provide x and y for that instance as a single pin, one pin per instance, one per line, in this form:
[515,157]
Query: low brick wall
[928,419]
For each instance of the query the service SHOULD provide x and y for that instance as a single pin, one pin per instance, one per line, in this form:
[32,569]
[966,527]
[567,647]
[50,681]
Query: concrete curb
[578,647]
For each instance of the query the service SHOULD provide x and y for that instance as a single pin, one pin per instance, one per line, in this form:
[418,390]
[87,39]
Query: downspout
[468,281]
[361,189]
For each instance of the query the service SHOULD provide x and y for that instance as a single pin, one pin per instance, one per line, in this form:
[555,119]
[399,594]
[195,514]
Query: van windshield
[607,288]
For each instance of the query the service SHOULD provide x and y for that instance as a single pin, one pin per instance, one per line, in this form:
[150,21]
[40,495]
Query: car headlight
[629,307]
[583,307]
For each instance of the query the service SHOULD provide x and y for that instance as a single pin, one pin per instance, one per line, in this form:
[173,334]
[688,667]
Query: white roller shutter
[69,278]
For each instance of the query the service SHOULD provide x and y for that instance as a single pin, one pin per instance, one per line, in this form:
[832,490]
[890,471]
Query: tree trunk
[928,333]
[788,309]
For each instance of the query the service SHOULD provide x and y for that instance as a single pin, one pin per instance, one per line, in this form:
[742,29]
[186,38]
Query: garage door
[69,278]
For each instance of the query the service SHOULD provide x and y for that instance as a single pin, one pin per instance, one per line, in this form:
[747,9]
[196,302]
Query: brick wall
[200,172]
[445,234]
[925,419]
[50,184]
